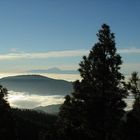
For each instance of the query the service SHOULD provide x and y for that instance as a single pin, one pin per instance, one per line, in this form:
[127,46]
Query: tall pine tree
[98,95]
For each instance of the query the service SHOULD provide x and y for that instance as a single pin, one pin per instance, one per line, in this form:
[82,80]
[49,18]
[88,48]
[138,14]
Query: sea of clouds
[25,100]
[30,101]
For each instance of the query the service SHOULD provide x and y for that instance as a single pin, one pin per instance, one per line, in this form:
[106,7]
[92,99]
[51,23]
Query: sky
[47,34]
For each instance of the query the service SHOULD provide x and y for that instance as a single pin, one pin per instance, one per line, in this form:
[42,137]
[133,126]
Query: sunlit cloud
[24,100]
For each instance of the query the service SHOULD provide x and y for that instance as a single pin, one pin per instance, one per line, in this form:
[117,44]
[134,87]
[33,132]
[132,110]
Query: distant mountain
[37,84]
[55,70]
[51,109]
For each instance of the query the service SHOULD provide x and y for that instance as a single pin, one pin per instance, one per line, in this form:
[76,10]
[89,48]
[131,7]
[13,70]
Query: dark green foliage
[4,105]
[132,127]
[32,125]
[7,130]
[133,88]
[71,120]
[96,107]
[133,117]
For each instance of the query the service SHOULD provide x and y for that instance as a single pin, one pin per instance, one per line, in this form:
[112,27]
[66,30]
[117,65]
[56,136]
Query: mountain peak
[37,84]
[54,70]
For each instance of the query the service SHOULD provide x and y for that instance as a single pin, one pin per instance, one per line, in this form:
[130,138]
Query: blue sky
[64,30]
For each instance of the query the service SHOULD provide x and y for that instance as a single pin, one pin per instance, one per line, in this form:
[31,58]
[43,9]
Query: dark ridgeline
[96,107]
[37,84]
[94,111]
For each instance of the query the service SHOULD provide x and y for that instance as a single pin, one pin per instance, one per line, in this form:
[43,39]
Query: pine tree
[133,116]
[133,87]
[100,92]
[6,121]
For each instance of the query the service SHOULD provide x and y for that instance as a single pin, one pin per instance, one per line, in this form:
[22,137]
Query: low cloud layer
[23,100]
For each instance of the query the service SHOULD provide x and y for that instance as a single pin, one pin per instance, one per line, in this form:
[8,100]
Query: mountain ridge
[37,84]
[50,109]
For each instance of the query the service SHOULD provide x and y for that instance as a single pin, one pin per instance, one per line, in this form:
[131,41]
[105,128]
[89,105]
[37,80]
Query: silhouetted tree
[71,120]
[6,121]
[133,87]
[133,116]
[33,125]
[96,107]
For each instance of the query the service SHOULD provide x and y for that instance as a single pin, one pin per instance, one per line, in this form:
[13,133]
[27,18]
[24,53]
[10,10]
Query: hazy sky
[41,34]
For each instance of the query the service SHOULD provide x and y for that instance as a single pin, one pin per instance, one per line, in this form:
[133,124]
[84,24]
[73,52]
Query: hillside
[30,125]
[37,84]
[51,109]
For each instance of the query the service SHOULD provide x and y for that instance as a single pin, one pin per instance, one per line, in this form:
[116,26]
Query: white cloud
[43,55]
[128,68]
[13,50]
[24,100]
[56,54]
[129,50]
